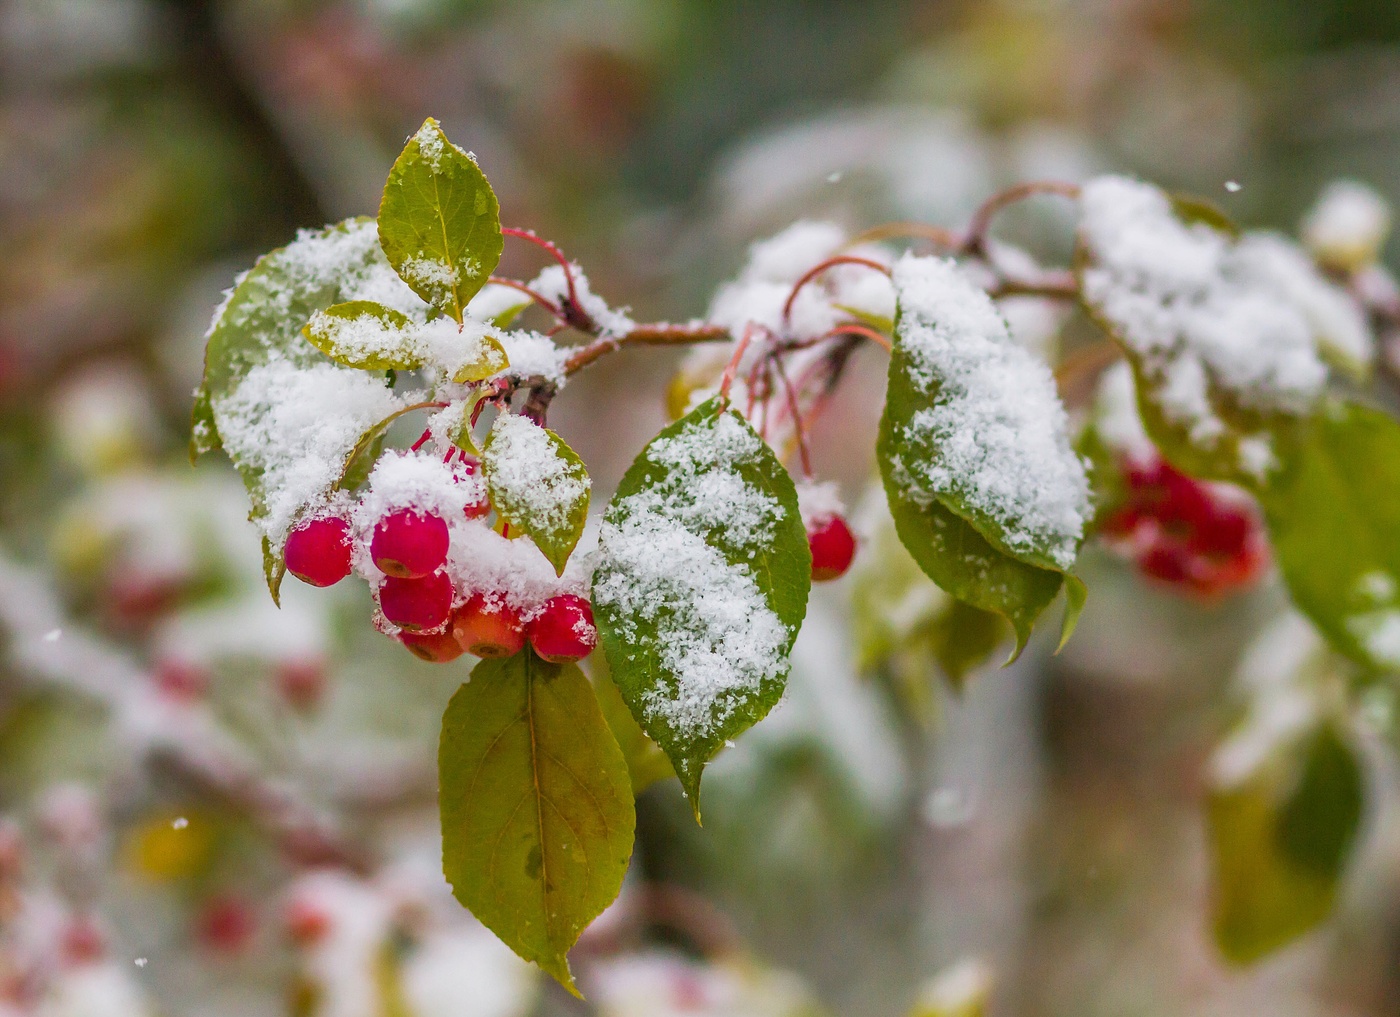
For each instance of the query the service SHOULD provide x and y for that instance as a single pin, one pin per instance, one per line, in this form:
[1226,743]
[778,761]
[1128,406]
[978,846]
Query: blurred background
[215,808]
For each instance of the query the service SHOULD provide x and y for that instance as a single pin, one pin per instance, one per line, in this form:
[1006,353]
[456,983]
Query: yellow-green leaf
[439,221]
[537,485]
[537,812]
[487,359]
[365,334]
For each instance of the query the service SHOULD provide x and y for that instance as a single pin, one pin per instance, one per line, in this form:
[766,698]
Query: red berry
[488,629]
[563,629]
[1171,563]
[833,548]
[306,921]
[180,680]
[408,544]
[226,925]
[318,551]
[434,647]
[302,683]
[417,604]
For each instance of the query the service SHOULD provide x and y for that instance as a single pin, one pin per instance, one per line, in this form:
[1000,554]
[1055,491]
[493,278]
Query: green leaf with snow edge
[700,585]
[1333,512]
[537,484]
[1223,355]
[366,335]
[986,493]
[536,805]
[1281,832]
[439,221]
[262,319]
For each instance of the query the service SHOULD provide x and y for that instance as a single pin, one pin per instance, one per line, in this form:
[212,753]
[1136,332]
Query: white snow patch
[528,473]
[1001,433]
[1348,225]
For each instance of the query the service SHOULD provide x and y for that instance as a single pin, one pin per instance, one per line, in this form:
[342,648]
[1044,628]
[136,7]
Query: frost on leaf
[701,584]
[1221,335]
[537,484]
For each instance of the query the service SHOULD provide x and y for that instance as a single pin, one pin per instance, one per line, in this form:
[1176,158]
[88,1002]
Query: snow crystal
[512,572]
[451,347]
[529,473]
[553,285]
[1347,225]
[296,426]
[365,336]
[714,629]
[347,256]
[1195,307]
[533,355]
[996,421]
[430,144]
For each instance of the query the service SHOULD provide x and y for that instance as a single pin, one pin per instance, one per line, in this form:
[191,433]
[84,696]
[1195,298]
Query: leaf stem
[573,311]
[818,269]
[732,368]
[534,295]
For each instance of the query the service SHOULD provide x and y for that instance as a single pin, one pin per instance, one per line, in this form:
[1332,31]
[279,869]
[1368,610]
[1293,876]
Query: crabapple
[408,544]
[833,547]
[318,550]
[563,629]
[488,629]
[434,647]
[417,604]
[226,925]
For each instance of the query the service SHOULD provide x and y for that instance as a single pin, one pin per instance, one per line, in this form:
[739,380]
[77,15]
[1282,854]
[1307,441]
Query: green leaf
[537,485]
[537,812]
[1280,838]
[204,432]
[1191,209]
[439,221]
[274,570]
[262,320]
[701,585]
[646,763]
[1076,594]
[367,335]
[1334,520]
[366,451]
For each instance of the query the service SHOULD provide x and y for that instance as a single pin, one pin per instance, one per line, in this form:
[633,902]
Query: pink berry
[434,647]
[488,630]
[318,551]
[833,548]
[408,544]
[226,925]
[306,921]
[563,629]
[302,683]
[417,605]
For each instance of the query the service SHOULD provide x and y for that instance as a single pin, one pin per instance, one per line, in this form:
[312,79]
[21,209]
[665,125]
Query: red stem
[795,412]
[732,368]
[539,298]
[816,270]
[558,255]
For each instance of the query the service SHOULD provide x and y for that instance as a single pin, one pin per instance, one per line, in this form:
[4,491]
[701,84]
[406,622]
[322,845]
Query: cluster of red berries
[833,547]
[417,596]
[1202,538]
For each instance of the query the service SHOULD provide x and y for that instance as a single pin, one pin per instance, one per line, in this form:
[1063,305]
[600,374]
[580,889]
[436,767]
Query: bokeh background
[176,756]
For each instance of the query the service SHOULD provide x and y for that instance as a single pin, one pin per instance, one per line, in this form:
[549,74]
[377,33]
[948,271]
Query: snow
[366,336]
[1001,434]
[1335,318]
[533,355]
[1116,415]
[296,425]
[818,501]
[430,141]
[762,288]
[528,473]
[513,572]
[552,284]
[452,347]
[1198,310]
[714,629]
[467,972]
[493,300]
[1348,225]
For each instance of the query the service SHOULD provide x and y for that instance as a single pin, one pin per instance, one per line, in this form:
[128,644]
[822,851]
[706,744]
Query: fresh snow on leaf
[534,357]
[294,427]
[1347,226]
[993,439]
[1204,317]
[537,484]
[701,584]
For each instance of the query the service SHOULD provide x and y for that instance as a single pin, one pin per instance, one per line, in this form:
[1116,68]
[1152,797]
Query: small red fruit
[488,629]
[434,647]
[408,544]
[318,551]
[226,925]
[833,548]
[563,629]
[306,921]
[302,683]
[417,605]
